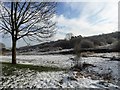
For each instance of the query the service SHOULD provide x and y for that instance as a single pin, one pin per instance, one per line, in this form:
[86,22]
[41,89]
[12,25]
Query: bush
[116,45]
[110,40]
[86,44]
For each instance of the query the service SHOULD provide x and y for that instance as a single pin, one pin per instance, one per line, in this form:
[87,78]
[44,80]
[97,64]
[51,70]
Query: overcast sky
[82,18]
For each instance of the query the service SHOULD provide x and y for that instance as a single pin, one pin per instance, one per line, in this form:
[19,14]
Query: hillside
[98,41]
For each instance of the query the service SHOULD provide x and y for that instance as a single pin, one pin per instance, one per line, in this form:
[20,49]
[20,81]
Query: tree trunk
[13,51]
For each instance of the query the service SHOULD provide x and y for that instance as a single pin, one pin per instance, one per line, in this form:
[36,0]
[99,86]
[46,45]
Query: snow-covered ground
[61,79]
[106,54]
[31,79]
[62,61]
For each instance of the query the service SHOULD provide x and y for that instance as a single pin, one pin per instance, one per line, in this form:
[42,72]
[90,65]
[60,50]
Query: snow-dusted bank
[62,79]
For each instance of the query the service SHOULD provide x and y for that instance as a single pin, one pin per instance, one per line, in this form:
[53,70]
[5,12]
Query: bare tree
[27,21]
[68,36]
[78,53]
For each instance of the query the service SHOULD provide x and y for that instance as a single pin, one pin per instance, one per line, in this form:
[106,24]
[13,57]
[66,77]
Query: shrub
[116,45]
[86,44]
[110,40]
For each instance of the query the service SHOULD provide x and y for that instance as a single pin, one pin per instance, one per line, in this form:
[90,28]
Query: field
[54,71]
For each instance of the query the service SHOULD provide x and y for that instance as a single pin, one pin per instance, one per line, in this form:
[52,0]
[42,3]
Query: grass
[9,69]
